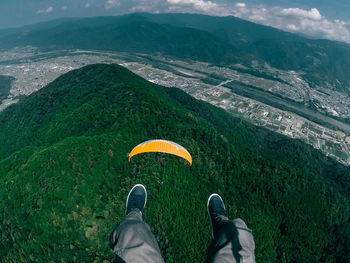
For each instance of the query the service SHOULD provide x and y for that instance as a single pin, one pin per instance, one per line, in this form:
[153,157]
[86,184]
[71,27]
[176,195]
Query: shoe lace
[136,202]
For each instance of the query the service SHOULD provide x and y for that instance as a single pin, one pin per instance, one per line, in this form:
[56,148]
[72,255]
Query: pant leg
[233,242]
[133,241]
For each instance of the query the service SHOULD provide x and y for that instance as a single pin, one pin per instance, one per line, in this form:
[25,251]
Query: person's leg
[232,240]
[132,240]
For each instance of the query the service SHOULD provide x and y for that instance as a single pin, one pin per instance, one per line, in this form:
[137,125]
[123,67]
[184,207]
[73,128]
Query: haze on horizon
[314,18]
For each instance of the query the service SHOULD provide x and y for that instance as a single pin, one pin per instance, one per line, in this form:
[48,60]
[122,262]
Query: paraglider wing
[161,146]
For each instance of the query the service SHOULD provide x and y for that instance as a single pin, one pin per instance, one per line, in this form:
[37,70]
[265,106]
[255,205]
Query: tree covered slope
[64,175]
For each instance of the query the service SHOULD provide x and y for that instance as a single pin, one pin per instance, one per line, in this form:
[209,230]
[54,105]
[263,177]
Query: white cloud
[111,4]
[87,5]
[197,5]
[309,22]
[296,20]
[64,7]
[141,8]
[292,27]
[152,6]
[45,11]
[240,5]
[312,14]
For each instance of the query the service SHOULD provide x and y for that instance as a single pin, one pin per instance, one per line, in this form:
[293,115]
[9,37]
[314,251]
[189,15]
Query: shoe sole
[127,199]
[211,223]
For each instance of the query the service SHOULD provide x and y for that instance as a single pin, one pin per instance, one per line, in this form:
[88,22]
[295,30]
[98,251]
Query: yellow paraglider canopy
[163,146]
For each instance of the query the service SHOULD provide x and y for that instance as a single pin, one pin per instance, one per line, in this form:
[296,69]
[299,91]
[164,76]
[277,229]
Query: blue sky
[317,18]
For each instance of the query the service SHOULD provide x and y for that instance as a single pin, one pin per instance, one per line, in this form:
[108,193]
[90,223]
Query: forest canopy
[65,175]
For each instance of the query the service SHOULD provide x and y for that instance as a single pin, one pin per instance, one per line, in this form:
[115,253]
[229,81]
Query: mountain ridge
[228,40]
[65,174]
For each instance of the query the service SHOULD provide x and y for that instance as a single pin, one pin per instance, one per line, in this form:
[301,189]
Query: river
[293,107]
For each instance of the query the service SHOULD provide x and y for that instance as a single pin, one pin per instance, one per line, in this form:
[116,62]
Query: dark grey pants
[233,242]
[133,241]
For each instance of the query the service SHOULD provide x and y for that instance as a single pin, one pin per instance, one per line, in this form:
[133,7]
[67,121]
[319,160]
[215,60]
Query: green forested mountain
[36,26]
[220,40]
[64,175]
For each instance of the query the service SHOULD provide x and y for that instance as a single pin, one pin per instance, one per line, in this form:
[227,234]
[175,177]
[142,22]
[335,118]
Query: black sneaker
[137,199]
[216,211]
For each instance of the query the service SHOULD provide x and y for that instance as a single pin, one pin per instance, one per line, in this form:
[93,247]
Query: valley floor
[280,106]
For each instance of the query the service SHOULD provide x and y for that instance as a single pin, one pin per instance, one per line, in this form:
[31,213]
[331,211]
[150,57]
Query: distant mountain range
[219,40]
